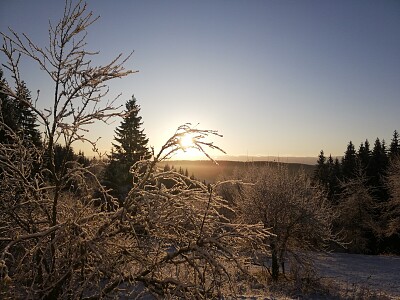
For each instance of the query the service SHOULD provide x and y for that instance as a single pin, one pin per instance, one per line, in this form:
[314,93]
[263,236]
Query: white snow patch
[375,272]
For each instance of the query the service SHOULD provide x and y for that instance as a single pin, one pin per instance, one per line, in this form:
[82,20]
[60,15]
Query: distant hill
[283,159]
[210,172]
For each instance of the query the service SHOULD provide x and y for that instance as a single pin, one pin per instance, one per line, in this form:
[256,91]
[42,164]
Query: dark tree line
[19,124]
[358,185]
[18,117]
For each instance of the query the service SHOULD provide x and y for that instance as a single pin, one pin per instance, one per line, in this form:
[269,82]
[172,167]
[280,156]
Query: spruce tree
[17,117]
[7,112]
[26,118]
[394,149]
[364,154]
[131,141]
[332,180]
[130,147]
[349,161]
[377,170]
[321,171]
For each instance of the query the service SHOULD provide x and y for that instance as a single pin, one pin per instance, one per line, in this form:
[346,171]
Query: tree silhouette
[394,149]
[377,170]
[130,147]
[321,171]
[349,161]
[364,154]
[18,117]
[131,141]
[26,117]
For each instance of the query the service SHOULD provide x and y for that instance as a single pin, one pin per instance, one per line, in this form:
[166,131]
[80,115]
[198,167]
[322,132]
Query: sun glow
[188,148]
[186,141]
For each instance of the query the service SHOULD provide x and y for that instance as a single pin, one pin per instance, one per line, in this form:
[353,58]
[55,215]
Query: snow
[377,273]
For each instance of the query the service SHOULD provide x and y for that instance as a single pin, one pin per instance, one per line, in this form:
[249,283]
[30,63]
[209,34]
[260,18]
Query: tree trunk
[275,264]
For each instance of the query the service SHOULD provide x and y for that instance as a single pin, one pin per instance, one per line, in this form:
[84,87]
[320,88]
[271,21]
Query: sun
[186,141]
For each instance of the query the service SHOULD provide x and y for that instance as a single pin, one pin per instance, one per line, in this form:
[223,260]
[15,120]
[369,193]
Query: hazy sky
[284,78]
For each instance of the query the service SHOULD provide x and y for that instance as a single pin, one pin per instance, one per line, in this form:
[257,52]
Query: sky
[275,78]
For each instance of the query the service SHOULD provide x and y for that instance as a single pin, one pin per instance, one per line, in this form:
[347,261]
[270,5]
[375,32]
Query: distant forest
[363,186]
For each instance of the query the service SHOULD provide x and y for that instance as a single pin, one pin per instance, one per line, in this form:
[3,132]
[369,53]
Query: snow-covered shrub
[296,212]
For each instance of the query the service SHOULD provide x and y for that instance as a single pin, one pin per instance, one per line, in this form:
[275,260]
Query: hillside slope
[210,172]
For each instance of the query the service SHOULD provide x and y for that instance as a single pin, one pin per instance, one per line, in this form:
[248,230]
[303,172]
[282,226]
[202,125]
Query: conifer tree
[18,117]
[130,147]
[321,171]
[7,111]
[377,170]
[349,161]
[357,209]
[26,119]
[394,149]
[332,180]
[364,154]
[167,168]
[336,175]
[131,141]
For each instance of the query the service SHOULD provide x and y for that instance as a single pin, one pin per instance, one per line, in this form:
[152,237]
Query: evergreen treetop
[349,161]
[364,154]
[130,147]
[394,149]
[131,141]
[18,117]
[26,118]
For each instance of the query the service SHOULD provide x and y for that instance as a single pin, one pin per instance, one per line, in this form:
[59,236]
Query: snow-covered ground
[342,277]
[375,273]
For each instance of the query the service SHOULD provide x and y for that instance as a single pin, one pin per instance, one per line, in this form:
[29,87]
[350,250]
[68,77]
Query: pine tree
[336,175]
[332,180]
[364,154]
[17,117]
[26,118]
[321,171]
[130,147]
[7,112]
[377,170]
[131,141]
[394,149]
[349,161]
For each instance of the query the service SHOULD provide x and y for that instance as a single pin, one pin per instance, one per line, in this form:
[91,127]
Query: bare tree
[296,213]
[57,242]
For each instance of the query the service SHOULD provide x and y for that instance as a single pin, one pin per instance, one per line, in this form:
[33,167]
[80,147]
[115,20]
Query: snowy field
[342,277]
[373,273]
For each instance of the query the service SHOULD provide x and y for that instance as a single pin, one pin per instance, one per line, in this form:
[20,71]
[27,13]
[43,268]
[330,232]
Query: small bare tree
[296,212]
[56,242]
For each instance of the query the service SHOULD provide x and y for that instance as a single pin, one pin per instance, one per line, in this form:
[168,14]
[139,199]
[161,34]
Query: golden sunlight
[186,141]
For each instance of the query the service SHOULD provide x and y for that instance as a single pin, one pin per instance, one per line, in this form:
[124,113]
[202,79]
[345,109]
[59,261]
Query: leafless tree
[56,243]
[297,213]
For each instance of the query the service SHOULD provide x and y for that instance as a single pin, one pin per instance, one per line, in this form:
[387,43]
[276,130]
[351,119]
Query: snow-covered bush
[296,212]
